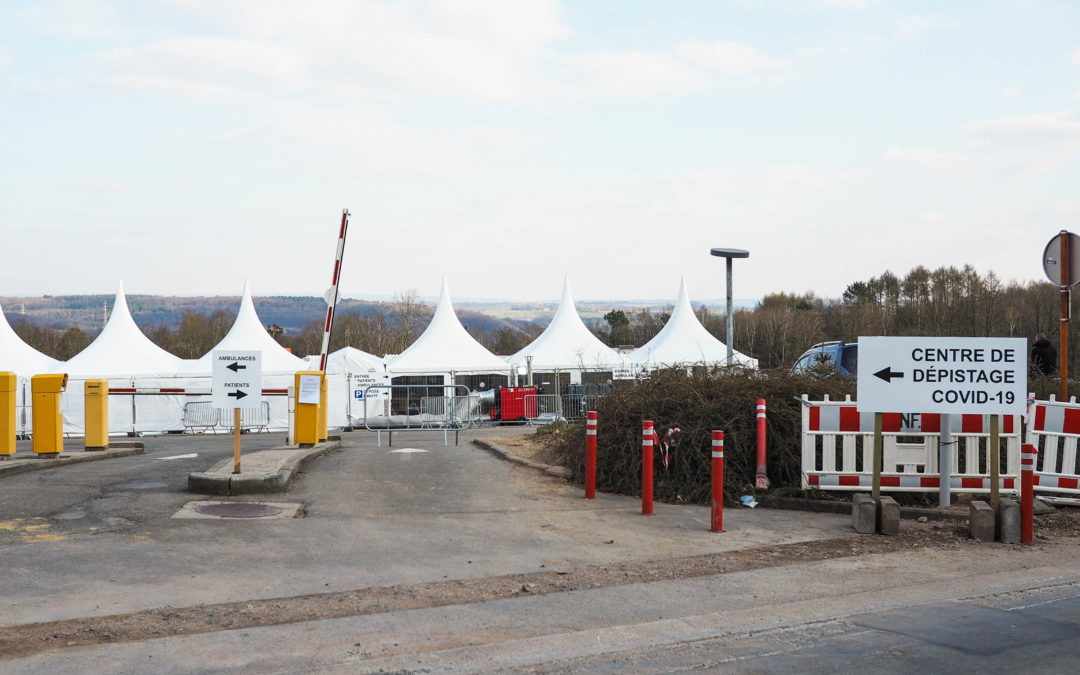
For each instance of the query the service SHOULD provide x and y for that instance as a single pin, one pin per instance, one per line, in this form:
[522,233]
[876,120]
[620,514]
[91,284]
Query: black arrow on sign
[237,394]
[234,366]
[888,374]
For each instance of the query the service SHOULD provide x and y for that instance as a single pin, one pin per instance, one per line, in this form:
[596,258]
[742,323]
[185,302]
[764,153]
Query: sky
[183,146]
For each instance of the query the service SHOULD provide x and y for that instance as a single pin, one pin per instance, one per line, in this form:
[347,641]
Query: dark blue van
[829,358]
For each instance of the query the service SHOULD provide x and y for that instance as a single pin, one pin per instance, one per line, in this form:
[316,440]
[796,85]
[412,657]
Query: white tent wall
[128,413]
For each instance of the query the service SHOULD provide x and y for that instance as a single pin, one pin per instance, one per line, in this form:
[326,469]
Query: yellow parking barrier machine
[48,421]
[8,387]
[322,408]
[306,416]
[97,414]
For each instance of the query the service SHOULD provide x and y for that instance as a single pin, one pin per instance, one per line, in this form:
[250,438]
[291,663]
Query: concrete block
[888,521]
[1008,521]
[981,520]
[863,513]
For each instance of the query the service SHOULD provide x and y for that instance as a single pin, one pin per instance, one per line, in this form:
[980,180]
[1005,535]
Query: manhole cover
[238,510]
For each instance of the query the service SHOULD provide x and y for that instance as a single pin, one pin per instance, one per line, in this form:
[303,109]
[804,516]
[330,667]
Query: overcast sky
[185,145]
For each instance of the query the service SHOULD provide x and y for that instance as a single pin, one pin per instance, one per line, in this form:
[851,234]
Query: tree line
[948,301]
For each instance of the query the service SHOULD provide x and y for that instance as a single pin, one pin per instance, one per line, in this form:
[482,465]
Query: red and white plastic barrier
[590,455]
[717,520]
[1054,432]
[838,449]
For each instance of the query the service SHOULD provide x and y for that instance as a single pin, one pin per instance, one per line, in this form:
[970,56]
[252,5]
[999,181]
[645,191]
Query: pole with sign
[948,376]
[1061,262]
[236,376]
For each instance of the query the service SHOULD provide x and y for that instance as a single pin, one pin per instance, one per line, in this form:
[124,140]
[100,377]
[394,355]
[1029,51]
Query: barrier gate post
[646,467]
[717,482]
[590,455]
[1028,453]
[762,481]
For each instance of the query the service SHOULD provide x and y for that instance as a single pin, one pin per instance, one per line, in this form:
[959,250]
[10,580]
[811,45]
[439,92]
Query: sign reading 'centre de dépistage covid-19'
[982,376]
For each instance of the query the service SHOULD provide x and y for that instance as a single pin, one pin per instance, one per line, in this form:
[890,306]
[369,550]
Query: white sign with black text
[980,376]
[236,379]
[310,390]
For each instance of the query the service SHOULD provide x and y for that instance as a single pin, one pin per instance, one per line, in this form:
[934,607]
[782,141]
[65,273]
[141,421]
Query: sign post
[948,376]
[236,375]
[1061,262]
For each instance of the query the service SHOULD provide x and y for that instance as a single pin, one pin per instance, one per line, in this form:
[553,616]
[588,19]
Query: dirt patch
[23,640]
[529,445]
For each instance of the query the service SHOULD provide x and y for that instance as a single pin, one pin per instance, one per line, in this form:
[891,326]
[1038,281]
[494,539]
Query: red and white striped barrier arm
[332,293]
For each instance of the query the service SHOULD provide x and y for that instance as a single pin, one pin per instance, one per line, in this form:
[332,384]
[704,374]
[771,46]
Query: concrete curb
[14,467]
[219,479]
[557,471]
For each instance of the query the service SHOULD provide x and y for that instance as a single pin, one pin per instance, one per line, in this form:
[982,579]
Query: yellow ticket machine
[306,415]
[97,414]
[48,421]
[8,387]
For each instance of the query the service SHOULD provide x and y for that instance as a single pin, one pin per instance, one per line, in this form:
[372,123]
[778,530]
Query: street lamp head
[730,253]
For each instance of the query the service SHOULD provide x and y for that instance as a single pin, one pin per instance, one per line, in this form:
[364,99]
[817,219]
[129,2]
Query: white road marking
[194,454]
[408,451]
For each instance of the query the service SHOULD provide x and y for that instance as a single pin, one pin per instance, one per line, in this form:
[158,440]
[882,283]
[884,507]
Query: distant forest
[948,301]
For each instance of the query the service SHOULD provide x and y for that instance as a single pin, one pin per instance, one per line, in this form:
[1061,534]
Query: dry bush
[697,404]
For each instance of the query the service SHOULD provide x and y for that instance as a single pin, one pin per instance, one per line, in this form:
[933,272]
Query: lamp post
[729,253]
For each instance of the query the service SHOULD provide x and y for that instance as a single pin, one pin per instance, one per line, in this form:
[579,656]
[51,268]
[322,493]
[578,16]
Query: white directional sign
[985,376]
[237,379]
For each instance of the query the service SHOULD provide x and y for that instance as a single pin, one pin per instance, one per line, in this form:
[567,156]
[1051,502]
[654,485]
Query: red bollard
[590,455]
[1028,453]
[762,481]
[647,434]
[717,482]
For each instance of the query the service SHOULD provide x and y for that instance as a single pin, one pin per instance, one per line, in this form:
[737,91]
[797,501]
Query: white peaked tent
[446,348]
[279,366]
[683,341]
[568,345]
[127,359]
[350,373]
[20,358]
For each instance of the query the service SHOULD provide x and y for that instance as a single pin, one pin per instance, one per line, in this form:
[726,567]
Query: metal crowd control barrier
[910,450]
[545,408]
[420,407]
[202,415]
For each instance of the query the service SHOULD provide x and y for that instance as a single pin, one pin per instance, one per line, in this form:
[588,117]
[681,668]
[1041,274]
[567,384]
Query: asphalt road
[100,538]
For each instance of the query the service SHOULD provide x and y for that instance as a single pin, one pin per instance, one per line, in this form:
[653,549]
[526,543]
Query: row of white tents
[158,385]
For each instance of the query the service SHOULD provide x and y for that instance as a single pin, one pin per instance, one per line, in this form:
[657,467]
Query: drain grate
[238,510]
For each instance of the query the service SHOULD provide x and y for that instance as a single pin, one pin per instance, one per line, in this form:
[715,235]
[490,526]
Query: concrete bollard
[888,512]
[981,521]
[1008,521]
[863,513]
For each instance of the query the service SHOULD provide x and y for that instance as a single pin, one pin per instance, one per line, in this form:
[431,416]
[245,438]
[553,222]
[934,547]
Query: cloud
[729,58]
[915,27]
[849,4]
[938,161]
[1052,127]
